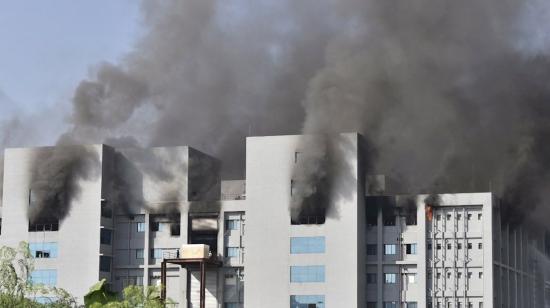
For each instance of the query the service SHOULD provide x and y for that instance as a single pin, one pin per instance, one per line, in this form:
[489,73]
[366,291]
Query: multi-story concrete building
[369,250]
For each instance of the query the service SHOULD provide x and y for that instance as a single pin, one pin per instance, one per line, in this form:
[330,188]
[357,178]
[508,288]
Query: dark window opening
[105,236]
[372,215]
[42,254]
[44,226]
[155,226]
[106,211]
[388,216]
[204,230]
[410,218]
[104,263]
[175,229]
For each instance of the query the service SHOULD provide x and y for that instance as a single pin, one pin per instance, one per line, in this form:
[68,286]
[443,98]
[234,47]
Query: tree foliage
[16,286]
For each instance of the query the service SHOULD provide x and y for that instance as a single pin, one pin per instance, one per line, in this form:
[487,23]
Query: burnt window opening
[410,217]
[388,216]
[106,210]
[372,215]
[203,229]
[175,229]
[155,226]
[309,215]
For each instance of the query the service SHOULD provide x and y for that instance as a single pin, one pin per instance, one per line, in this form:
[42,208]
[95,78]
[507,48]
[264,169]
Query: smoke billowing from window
[451,96]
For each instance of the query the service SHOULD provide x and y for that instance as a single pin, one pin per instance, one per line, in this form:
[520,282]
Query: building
[369,250]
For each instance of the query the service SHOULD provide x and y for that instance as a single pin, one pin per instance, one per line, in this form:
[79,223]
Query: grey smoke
[450,96]
[56,176]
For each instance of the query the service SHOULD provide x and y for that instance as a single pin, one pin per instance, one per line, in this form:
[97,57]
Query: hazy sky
[47,47]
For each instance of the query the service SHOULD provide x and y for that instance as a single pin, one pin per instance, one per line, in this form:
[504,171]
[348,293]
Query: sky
[47,47]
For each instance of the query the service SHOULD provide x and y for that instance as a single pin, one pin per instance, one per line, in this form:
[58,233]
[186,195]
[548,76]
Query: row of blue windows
[307,273]
[314,244]
[43,250]
[45,277]
[307,301]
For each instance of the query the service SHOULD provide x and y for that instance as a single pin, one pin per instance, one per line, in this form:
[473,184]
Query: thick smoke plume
[56,176]
[450,95]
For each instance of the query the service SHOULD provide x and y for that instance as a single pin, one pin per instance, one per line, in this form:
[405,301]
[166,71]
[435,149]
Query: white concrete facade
[371,251]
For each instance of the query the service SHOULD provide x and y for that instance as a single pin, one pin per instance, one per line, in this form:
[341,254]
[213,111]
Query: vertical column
[380,254]
[146,251]
[203,284]
[163,280]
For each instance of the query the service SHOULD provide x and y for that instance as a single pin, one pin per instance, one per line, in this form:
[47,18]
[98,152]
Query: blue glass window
[389,249]
[139,253]
[43,250]
[231,305]
[232,224]
[140,227]
[390,278]
[156,253]
[390,304]
[45,277]
[310,273]
[307,301]
[314,244]
[232,251]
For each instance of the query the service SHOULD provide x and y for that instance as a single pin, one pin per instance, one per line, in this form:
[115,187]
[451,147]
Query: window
[389,249]
[45,277]
[175,229]
[371,278]
[156,226]
[438,217]
[139,253]
[105,236]
[309,273]
[459,275]
[458,216]
[438,276]
[411,305]
[390,278]
[469,216]
[104,263]
[232,252]
[469,245]
[43,250]
[371,249]
[231,305]
[156,253]
[469,275]
[390,304]
[307,301]
[371,304]
[448,275]
[449,246]
[479,216]
[480,275]
[438,246]
[459,245]
[480,246]
[389,220]
[315,244]
[232,224]
[449,216]
[411,278]
[429,246]
[410,249]
[140,227]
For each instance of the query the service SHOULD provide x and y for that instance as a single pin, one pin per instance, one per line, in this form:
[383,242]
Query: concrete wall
[269,171]
[78,235]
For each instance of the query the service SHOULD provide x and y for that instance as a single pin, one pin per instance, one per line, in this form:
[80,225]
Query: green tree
[16,287]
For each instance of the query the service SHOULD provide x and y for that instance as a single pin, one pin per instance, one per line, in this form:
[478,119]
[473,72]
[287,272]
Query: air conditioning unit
[194,251]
